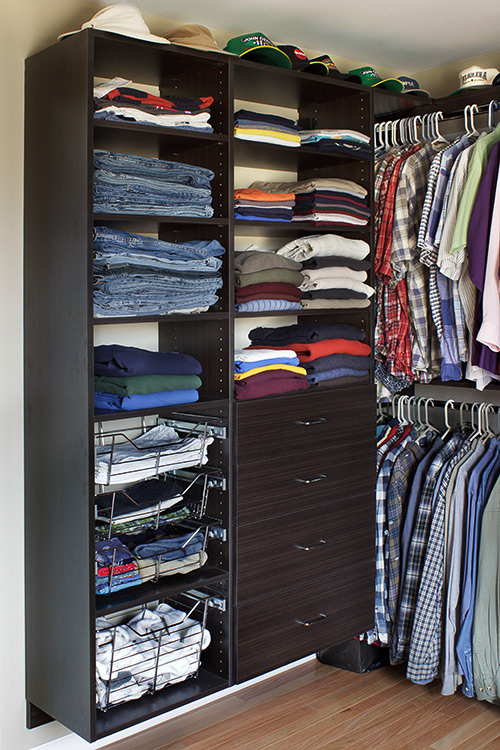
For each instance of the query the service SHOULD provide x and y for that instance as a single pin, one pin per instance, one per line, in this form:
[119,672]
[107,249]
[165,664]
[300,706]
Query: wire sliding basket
[156,646]
[181,554]
[147,449]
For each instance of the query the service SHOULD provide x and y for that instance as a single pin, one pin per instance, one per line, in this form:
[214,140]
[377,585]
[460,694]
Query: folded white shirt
[255,355]
[267,139]
[337,133]
[174,120]
[333,272]
[157,451]
[318,245]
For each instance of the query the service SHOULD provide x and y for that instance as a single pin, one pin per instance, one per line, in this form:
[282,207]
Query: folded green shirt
[142,384]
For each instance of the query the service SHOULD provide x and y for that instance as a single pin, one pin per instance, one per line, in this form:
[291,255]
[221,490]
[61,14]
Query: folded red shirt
[308,352]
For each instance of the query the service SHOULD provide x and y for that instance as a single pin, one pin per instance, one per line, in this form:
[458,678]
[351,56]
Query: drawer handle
[307,624]
[310,481]
[309,422]
[311,546]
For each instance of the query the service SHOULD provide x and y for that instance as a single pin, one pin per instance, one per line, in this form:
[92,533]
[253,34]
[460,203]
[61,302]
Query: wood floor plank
[316,707]
[464,736]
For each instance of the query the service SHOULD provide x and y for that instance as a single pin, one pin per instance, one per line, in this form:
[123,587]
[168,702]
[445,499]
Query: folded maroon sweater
[268,383]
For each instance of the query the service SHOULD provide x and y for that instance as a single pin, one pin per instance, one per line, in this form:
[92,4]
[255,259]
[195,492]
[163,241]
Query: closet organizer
[285,498]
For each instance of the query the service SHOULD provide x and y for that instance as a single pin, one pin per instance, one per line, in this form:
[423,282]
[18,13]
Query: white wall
[27,26]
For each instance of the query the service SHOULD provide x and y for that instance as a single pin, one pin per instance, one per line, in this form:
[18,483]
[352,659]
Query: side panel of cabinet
[59,581]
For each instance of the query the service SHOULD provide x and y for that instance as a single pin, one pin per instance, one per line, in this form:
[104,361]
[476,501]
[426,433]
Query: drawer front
[286,551]
[280,629]
[285,425]
[280,485]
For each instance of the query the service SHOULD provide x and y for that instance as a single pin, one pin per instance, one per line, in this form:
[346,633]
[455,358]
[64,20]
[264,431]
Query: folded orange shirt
[260,195]
[307,352]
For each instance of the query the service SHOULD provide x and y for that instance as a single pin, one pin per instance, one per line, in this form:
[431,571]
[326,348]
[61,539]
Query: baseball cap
[297,57]
[369,77]
[476,77]
[324,66]
[411,86]
[259,48]
[124,19]
[193,35]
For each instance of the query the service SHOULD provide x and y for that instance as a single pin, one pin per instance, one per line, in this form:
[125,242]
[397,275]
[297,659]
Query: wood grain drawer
[279,485]
[280,629]
[291,424]
[298,548]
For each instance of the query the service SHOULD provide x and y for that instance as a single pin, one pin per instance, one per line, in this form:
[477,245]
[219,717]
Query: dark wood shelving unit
[256,631]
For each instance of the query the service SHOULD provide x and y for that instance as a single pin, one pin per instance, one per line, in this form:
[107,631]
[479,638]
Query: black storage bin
[355,656]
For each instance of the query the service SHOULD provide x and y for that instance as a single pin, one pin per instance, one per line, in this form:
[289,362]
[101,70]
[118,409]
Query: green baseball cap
[369,77]
[259,48]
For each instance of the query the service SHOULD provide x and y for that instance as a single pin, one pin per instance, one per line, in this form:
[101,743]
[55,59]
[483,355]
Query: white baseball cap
[476,77]
[124,19]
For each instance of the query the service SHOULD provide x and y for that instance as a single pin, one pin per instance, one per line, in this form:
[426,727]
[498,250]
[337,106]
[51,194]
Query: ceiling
[403,36]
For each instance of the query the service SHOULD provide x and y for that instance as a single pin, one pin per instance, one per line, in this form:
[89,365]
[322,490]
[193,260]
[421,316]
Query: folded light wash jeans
[107,239]
[147,167]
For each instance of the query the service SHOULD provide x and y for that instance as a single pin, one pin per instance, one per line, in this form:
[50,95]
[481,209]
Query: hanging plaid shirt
[397,495]
[416,554]
[405,259]
[425,646]
[383,477]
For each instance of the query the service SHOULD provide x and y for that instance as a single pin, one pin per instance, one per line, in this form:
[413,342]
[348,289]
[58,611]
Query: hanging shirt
[477,166]
[489,333]
[405,259]
[425,645]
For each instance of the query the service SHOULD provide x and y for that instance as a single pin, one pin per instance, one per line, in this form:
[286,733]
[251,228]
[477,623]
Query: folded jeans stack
[256,126]
[315,345]
[267,371]
[128,378]
[334,270]
[138,275]
[338,141]
[128,104]
[324,200]
[266,281]
[129,184]
[261,205]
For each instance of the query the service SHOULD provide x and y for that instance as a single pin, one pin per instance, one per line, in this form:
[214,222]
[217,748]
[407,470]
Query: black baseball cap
[295,54]
[324,66]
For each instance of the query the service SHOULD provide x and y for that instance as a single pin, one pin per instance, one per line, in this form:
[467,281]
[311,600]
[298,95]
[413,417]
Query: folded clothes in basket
[138,501]
[158,450]
[150,650]
[174,547]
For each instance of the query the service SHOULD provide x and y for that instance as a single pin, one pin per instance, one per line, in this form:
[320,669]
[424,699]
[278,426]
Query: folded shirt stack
[255,126]
[334,270]
[129,184]
[157,451]
[324,200]
[266,281]
[338,141]
[150,650]
[267,371]
[128,378]
[127,104]
[138,275]
[115,567]
[261,205]
[131,559]
[317,347]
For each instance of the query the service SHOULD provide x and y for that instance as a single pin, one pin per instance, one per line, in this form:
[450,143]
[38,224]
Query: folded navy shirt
[116,360]
[305,333]
[139,496]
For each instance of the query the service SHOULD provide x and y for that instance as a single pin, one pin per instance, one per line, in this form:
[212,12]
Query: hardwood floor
[316,707]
